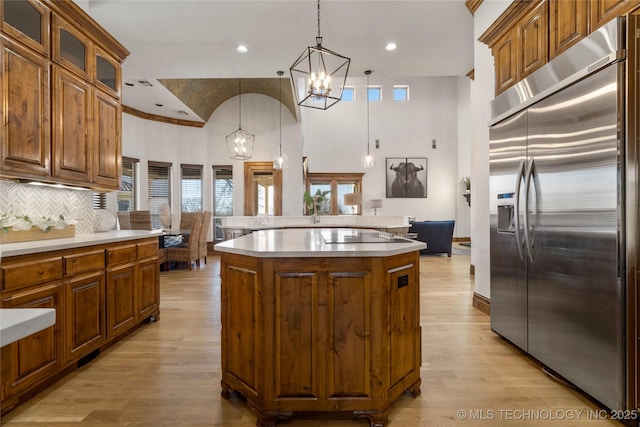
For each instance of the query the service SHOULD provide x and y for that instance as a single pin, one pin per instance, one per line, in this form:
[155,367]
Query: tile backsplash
[25,199]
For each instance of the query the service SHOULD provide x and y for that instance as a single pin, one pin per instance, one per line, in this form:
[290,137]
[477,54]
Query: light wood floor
[168,372]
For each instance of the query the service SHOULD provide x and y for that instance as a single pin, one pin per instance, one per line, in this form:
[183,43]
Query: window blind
[191,186]
[159,185]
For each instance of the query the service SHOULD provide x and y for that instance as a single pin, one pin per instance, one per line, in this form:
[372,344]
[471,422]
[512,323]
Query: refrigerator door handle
[528,234]
[516,219]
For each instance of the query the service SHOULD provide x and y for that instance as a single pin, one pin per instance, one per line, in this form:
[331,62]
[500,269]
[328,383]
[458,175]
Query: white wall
[482,92]
[334,140]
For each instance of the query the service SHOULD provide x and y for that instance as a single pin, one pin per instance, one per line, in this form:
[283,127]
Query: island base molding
[324,336]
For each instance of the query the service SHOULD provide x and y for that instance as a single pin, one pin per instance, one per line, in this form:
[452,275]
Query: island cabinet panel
[296,335]
[349,337]
[32,359]
[85,320]
[405,334]
[320,334]
[240,317]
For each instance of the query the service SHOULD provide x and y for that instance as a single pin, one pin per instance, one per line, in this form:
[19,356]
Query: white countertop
[309,243]
[271,222]
[80,240]
[17,323]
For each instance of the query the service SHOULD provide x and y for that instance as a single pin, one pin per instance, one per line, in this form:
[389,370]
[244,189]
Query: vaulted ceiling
[185,50]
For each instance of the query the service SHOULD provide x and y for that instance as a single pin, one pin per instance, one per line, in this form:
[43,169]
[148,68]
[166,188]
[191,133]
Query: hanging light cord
[367,94]
[280,146]
[319,36]
[240,103]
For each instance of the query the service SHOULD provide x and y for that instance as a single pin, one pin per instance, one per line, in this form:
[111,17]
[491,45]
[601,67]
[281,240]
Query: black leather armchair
[438,235]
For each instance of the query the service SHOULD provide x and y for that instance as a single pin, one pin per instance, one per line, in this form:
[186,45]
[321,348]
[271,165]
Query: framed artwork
[406,177]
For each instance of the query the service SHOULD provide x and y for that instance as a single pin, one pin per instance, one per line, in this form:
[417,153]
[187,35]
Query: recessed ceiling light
[242,48]
[129,83]
[159,105]
[391,46]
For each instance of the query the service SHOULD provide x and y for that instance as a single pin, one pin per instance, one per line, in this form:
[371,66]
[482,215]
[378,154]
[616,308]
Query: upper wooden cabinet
[57,61]
[505,54]
[25,135]
[603,11]
[27,22]
[528,34]
[568,23]
[532,38]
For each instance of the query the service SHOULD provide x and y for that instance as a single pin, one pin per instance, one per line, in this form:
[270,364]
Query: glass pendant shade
[368,160]
[240,142]
[319,75]
[280,161]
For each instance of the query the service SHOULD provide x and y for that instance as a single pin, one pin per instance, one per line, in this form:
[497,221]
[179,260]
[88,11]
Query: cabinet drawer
[147,249]
[121,254]
[29,273]
[80,263]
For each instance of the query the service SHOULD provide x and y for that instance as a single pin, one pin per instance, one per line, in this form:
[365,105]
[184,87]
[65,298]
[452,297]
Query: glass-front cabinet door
[72,49]
[27,21]
[108,72]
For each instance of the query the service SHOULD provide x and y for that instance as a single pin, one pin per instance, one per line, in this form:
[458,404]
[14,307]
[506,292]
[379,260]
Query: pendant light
[319,75]
[368,160]
[280,160]
[240,142]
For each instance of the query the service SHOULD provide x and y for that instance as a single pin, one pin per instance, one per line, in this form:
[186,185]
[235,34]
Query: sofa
[438,235]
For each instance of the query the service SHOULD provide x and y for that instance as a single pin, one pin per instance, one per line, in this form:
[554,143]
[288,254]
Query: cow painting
[406,178]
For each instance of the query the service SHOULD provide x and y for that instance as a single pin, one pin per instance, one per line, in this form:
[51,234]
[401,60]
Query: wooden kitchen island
[315,327]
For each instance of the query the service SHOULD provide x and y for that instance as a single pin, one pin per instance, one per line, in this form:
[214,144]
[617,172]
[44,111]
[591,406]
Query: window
[99,201]
[337,185]
[348,94]
[191,188]
[128,196]
[400,93]
[159,183]
[374,93]
[222,197]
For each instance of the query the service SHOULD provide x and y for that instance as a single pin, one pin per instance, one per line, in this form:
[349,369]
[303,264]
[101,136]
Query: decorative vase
[103,220]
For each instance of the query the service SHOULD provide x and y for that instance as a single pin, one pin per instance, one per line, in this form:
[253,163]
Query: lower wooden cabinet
[121,301]
[85,318]
[28,361]
[147,288]
[320,334]
[99,293]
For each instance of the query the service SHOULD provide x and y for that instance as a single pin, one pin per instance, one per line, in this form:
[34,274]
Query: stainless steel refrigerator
[558,233]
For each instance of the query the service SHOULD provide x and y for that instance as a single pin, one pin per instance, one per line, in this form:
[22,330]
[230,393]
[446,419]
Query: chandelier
[240,142]
[280,160]
[319,75]
[368,160]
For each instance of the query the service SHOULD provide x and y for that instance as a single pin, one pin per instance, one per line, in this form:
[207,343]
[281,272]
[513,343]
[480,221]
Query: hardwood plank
[167,373]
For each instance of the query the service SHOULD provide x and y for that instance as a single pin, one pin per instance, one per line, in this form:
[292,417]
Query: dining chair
[186,218]
[204,233]
[189,251]
[140,220]
[123,220]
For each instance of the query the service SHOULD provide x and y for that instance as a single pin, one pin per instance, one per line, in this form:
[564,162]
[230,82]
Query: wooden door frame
[250,168]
